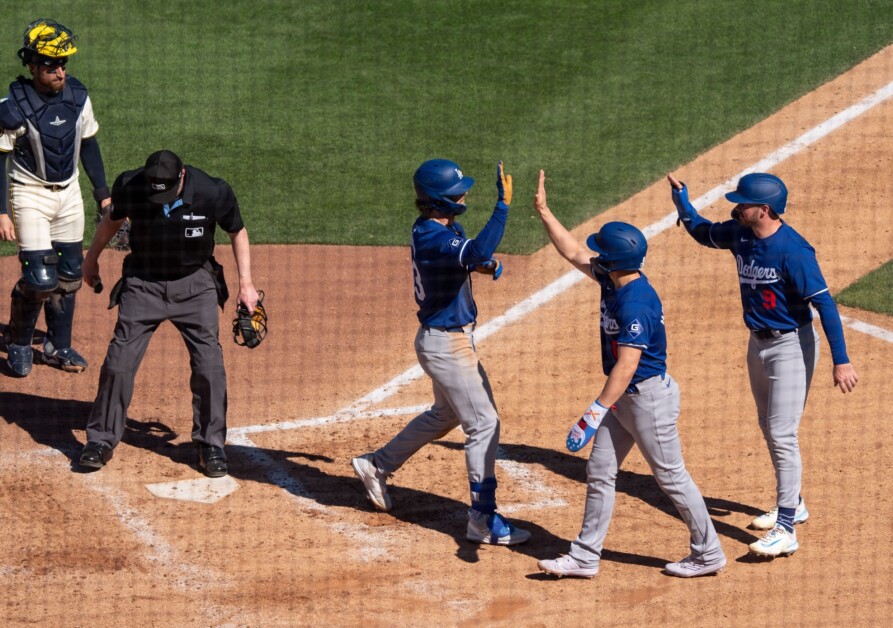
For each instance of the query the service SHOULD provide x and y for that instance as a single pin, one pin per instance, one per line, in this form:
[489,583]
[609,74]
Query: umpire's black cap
[163,171]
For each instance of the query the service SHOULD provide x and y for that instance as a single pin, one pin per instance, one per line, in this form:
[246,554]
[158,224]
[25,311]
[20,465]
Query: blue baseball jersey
[779,277]
[632,316]
[441,281]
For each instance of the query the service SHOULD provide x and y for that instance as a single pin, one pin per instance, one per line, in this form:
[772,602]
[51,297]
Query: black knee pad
[71,258]
[39,270]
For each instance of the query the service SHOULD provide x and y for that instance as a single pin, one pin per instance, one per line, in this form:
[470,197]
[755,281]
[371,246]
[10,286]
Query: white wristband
[594,414]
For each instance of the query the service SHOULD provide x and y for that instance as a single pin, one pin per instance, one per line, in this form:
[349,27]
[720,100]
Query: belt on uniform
[453,330]
[768,334]
[55,187]
[633,389]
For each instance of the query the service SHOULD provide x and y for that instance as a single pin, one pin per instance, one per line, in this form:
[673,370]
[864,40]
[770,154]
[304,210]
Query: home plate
[203,490]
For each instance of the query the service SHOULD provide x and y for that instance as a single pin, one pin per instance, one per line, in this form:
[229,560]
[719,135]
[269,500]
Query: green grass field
[318,112]
[872,292]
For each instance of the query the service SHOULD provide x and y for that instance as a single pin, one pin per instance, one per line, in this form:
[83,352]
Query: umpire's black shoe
[212,461]
[95,455]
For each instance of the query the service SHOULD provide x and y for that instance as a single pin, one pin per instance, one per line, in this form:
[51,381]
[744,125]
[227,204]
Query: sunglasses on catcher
[53,64]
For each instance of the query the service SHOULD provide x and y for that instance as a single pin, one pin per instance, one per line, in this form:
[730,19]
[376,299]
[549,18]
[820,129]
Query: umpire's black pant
[190,304]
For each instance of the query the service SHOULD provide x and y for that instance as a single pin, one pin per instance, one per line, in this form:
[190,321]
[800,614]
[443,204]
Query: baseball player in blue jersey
[779,278]
[638,405]
[46,127]
[443,258]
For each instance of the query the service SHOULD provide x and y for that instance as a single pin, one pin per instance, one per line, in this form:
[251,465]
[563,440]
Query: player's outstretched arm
[696,226]
[564,242]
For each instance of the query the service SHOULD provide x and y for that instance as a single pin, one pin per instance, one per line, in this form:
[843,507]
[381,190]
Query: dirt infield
[297,544]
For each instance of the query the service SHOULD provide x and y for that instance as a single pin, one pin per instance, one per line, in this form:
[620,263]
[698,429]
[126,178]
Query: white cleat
[566,566]
[373,480]
[692,567]
[777,542]
[767,520]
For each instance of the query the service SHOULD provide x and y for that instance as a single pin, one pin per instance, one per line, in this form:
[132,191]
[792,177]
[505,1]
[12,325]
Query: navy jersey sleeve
[717,235]
[438,248]
[802,269]
[636,325]
[484,245]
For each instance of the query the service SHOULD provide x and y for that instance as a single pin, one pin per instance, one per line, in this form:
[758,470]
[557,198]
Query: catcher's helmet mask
[620,246]
[440,185]
[250,328]
[47,42]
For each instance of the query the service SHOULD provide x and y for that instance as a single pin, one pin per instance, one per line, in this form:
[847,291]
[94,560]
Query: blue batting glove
[687,212]
[583,430]
[490,267]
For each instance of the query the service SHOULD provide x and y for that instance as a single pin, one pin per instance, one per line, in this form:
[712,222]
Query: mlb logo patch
[634,328]
[195,232]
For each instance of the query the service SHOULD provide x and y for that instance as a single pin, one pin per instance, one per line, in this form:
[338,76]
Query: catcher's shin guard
[23,313]
[59,312]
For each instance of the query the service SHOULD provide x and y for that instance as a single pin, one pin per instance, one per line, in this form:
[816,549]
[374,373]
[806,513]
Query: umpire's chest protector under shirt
[167,247]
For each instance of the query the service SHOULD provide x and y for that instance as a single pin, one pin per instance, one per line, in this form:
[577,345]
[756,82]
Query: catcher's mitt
[249,329]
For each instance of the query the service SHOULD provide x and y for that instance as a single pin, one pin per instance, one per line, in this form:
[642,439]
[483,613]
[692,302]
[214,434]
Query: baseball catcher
[250,328]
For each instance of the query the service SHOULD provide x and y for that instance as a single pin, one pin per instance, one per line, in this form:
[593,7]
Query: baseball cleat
[493,530]
[692,567]
[777,542]
[374,481]
[767,520]
[566,566]
[95,455]
[66,359]
[19,359]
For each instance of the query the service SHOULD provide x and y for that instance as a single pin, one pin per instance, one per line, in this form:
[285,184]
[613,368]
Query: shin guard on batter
[483,496]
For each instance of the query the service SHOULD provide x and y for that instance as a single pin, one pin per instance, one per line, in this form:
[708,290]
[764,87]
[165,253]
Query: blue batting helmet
[761,188]
[437,182]
[620,247]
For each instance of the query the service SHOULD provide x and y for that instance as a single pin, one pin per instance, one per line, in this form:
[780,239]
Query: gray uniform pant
[190,304]
[462,396]
[780,372]
[647,418]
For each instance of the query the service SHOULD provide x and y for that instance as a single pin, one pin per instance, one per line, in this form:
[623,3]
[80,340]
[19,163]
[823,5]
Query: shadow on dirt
[638,485]
[56,423]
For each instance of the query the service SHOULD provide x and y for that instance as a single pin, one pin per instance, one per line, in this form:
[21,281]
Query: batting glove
[490,267]
[584,429]
[687,212]
[503,187]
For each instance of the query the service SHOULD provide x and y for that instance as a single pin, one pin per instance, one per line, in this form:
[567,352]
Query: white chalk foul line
[865,328]
[356,410]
